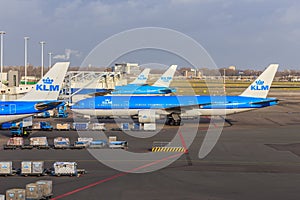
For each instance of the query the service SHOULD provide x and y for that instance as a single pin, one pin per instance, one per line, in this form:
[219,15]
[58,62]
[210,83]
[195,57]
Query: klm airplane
[41,98]
[139,86]
[150,108]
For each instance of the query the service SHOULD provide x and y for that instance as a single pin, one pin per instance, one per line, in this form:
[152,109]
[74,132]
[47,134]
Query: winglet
[166,78]
[261,86]
[49,86]
[142,78]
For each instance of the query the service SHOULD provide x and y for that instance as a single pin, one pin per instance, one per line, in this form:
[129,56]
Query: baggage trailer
[118,145]
[35,168]
[61,127]
[95,144]
[38,142]
[61,143]
[82,143]
[46,187]
[16,194]
[80,126]
[98,127]
[14,143]
[6,169]
[33,191]
[66,169]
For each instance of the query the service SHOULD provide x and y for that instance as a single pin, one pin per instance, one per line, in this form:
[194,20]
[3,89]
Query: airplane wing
[47,105]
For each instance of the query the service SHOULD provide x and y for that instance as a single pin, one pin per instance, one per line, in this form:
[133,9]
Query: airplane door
[12,108]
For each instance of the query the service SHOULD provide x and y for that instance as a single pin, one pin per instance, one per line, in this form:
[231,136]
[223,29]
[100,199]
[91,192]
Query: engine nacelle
[147,116]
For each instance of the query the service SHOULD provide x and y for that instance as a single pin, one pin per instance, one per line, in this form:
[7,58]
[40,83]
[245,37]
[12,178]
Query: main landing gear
[173,120]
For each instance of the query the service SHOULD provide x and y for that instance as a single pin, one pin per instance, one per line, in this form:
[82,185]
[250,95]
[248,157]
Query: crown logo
[259,82]
[47,81]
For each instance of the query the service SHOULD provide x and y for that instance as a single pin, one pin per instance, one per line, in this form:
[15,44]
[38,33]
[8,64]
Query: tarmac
[256,157]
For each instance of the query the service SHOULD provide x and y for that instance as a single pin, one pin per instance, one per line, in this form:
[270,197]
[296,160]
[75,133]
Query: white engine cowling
[147,116]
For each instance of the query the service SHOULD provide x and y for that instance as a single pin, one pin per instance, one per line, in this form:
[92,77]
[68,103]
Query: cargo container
[80,126]
[112,138]
[39,142]
[84,139]
[6,168]
[65,168]
[149,126]
[98,127]
[61,143]
[125,126]
[15,194]
[46,187]
[118,145]
[32,168]
[64,126]
[98,144]
[34,191]
[14,143]
[136,126]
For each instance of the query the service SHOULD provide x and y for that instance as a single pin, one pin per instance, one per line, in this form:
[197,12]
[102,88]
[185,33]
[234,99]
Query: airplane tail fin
[142,78]
[167,77]
[49,86]
[261,86]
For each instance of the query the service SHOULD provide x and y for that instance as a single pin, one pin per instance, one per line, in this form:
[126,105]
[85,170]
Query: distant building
[128,68]
[232,67]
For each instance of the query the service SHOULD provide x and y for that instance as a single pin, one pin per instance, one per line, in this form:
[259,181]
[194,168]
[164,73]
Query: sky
[244,33]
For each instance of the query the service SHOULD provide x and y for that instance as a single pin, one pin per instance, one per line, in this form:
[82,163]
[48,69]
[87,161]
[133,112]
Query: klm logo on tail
[142,77]
[47,85]
[259,85]
[166,78]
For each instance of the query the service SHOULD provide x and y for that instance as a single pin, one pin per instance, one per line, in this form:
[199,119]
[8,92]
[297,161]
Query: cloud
[67,55]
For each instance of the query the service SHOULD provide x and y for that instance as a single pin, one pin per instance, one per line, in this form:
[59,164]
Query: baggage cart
[46,187]
[65,168]
[64,126]
[16,194]
[6,168]
[80,126]
[61,143]
[98,144]
[35,168]
[39,142]
[34,191]
[14,143]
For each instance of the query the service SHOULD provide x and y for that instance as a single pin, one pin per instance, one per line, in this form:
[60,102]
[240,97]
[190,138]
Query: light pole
[1,33]
[50,57]
[42,57]
[25,59]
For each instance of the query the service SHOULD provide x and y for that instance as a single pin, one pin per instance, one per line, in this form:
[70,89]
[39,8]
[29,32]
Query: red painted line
[114,177]
[182,141]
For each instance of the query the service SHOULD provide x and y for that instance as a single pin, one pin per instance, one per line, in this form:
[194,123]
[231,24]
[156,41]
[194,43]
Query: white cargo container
[98,126]
[84,139]
[65,168]
[38,141]
[46,187]
[32,168]
[15,194]
[61,142]
[34,191]
[6,168]
[149,126]
[112,138]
